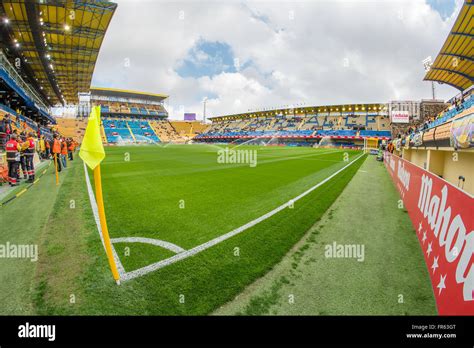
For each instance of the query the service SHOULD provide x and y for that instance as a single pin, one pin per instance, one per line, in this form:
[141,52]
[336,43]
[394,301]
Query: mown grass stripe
[188,253]
[25,189]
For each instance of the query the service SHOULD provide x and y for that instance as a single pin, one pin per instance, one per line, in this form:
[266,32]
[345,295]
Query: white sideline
[185,254]
[161,243]
[95,211]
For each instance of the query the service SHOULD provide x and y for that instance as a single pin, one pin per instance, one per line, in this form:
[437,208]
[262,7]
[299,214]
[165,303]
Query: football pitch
[190,232]
[163,201]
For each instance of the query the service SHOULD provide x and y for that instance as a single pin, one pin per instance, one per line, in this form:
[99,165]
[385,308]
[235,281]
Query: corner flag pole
[56,168]
[92,153]
[103,223]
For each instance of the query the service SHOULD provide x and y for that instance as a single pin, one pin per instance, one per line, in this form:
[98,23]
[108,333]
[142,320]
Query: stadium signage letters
[400,117]
[403,175]
[392,165]
[442,217]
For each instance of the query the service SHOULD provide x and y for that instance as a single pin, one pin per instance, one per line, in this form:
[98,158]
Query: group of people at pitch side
[60,150]
[21,148]
[20,154]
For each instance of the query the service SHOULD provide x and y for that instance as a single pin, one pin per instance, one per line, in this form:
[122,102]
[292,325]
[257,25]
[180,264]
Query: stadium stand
[72,128]
[125,103]
[465,103]
[142,131]
[165,131]
[38,72]
[349,124]
[372,133]
[188,129]
[117,131]
[443,144]
[443,147]
[132,116]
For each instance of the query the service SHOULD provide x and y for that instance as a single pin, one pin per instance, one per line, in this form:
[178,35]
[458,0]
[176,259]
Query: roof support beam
[57,48]
[98,7]
[57,29]
[31,12]
[457,56]
[455,72]
[461,34]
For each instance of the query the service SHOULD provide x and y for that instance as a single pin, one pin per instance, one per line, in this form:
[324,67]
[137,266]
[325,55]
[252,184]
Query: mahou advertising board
[443,218]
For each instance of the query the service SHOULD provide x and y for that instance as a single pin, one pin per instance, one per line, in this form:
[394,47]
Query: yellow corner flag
[92,153]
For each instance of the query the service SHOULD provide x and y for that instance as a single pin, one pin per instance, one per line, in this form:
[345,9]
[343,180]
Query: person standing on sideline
[29,156]
[42,147]
[13,159]
[47,144]
[56,151]
[24,146]
[64,153]
[70,149]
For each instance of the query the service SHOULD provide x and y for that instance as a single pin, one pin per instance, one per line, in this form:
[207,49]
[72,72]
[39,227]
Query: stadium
[117,199]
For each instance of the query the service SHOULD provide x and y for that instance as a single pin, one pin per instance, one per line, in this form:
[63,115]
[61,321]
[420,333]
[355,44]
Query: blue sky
[210,58]
[207,58]
[444,7]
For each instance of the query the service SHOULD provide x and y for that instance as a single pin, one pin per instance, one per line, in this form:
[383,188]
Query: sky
[248,55]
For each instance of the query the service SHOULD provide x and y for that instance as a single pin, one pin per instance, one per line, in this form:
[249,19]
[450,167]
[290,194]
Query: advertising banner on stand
[400,117]
[443,218]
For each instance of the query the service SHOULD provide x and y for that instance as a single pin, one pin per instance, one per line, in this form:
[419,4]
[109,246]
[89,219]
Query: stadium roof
[454,64]
[58,42]
[325,109]
[123,93]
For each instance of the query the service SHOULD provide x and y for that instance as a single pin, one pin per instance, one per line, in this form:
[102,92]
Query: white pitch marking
[161,243]
[95,211]
[160,264]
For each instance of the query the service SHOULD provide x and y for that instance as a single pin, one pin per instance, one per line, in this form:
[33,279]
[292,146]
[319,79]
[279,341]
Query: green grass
[142,199]
[23,184]
[137,255]
[143,195]
[24,221]
[393,263]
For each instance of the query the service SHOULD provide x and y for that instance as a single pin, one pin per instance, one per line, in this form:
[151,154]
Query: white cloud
[317,52]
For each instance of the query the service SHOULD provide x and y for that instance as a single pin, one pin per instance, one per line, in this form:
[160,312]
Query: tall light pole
[204,109]
[427,62]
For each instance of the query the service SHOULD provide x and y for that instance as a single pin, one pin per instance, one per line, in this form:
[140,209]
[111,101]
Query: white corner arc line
[161,243]
[191,252]
[95,211]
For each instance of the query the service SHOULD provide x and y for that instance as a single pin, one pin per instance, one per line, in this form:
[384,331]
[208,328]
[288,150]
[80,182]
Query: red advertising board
[443,218]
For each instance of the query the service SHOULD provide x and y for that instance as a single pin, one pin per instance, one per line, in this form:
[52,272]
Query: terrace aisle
[306,282]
